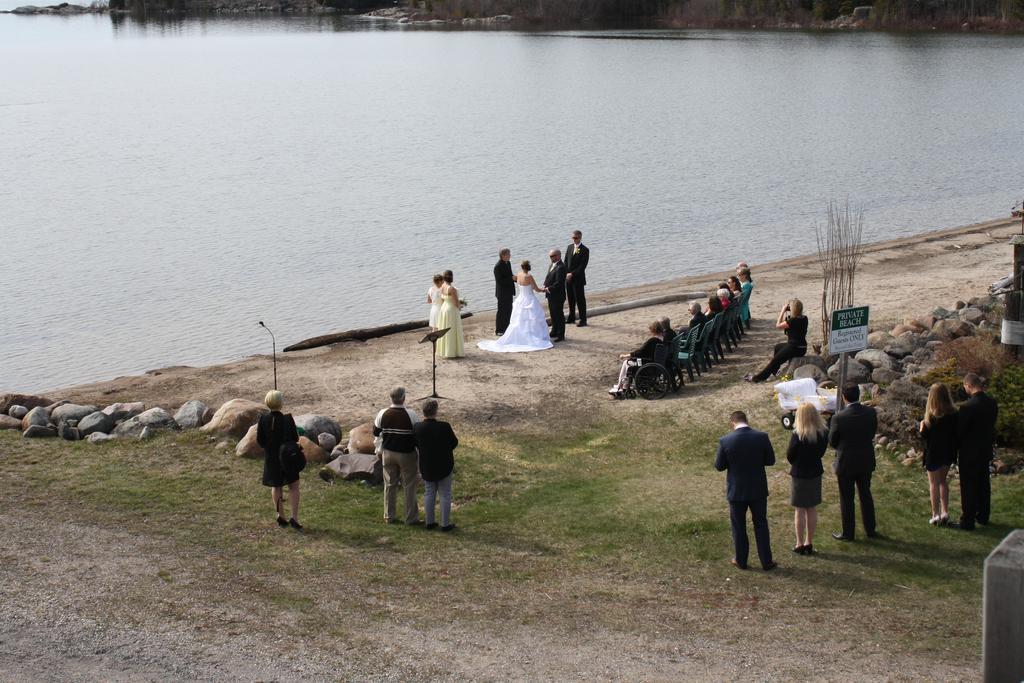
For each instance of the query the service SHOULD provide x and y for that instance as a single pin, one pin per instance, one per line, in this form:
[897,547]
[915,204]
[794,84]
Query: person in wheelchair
[631,361]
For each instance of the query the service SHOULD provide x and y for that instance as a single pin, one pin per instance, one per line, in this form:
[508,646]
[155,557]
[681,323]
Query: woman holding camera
[793,322]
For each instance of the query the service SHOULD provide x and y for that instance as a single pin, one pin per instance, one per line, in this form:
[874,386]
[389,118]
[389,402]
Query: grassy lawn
[622,526]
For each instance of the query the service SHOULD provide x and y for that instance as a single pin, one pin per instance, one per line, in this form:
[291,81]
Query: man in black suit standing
[554,283]
[852,434]
[743,454]
[504,290]
[976,434]
[577,257]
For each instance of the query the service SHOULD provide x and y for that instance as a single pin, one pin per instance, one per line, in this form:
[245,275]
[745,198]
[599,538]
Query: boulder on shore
[876,359]
[96,422]
[8,422]
[314,454]
[885,375]
[70,411]
[973,315]
[39,432]
[17,412]
[315,425]
[879,340]
[855,371]
[154,418]
[193,415]
[39,417]
[947,330]
[97,437]
[360,439]
[124,411]
[27,401]
[247,446]
[811,371]
[327,442]
[357,466]
[235,417]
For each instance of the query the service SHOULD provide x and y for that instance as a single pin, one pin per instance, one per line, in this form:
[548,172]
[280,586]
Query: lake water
[163,186]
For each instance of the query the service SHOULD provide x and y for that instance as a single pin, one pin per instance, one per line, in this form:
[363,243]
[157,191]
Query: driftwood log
[361,334]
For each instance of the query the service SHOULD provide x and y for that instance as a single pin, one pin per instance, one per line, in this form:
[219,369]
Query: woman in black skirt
[276,428]
[938,429]
[806,448]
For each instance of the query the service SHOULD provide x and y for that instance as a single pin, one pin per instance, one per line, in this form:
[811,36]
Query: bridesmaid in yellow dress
[450,345]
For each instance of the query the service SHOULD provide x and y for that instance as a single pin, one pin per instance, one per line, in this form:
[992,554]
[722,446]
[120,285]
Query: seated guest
[436,442]
[729,294]
[697,317]
[793,322]
[806,449]
[714,306]
[645,352]
[667,333]
[725,296]
[735,287]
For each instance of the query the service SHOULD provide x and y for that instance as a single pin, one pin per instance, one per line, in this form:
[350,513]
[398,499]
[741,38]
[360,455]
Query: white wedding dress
[527,330]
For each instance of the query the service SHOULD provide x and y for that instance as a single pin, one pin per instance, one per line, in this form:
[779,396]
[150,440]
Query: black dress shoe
[809,549]
[799,549]
[736,564]
[873,534]
[432,525]
[293,523]
[558,339]
[770,566]
[448,527]
[281,521]
[570,321]
[839,537]
[582,323]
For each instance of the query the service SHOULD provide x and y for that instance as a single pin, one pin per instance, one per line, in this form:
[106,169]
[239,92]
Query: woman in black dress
[806,449]
[938,429]
[793,322]
[276,428]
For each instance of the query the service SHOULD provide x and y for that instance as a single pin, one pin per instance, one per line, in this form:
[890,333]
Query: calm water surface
[165,186]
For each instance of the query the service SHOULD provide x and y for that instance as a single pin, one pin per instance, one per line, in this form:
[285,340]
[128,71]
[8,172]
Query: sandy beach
[350,381]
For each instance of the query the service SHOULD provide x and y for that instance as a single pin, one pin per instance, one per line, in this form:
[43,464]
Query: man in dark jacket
[435,442]
[554,283]
[697,316]
[976,434]
[577,257]
[504,290]
[743,454]
[852,434]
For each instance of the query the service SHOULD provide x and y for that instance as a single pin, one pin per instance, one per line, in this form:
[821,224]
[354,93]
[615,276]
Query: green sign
[849,330]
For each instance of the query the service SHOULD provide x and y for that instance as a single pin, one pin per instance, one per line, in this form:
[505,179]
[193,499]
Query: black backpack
[290,455]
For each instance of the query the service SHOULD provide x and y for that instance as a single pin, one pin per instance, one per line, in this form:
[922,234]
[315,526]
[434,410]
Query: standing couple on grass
[520,324]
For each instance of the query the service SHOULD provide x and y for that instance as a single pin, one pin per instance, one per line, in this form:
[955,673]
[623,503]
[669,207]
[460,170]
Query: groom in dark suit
[504,290]
[743,454]
[577,256]
[554,283]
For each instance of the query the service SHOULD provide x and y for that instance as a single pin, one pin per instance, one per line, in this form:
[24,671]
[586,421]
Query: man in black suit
[554,283]
[852,434]
[744,453]
[504,290]
[577,257]
[976,434]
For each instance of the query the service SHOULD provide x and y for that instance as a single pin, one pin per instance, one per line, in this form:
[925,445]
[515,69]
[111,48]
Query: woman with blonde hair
[938,429]
[451,344]
[793,322]
[273,430]
[434,299]
[806,449]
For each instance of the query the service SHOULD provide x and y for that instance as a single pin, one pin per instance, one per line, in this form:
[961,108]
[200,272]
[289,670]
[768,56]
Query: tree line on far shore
[979,14]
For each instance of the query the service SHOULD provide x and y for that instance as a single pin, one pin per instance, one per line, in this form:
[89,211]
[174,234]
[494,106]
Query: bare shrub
[840,248]
[981,354]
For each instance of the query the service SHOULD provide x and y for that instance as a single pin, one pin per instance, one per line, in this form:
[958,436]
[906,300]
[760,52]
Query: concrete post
[1003,620]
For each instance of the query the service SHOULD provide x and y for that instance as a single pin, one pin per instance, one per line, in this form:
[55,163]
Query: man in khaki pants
[394,426]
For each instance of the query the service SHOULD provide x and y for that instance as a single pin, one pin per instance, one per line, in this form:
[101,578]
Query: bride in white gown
[527,330]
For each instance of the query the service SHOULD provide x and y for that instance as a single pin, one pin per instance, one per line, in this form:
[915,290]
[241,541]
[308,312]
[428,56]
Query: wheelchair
[648,379]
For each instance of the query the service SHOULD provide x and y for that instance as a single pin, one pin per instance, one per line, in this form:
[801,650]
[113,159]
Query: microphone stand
[273,347]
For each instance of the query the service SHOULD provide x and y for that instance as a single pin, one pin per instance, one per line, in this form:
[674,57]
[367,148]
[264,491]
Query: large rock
[812,371]
[97,437]
[876,359]
[362,466]
[902,329]
[235,417]
[923,323]
[314,454]
[810,359]
[193,415]
[327,441]
[885,375]
[315,425]
[154,418]
[880,339]
[27,401]
[68,431]
[939,313]
[972,315]
[946,330]
[124,411]
[8,422]
[39,432]
[17,412]
[96,422]
[70,411]
[360,439]
[247,446]
[985,303]
[855,371]
[904,345]
[39,417]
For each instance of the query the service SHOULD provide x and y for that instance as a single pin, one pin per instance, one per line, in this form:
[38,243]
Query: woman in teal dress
[746,285]
[450,345]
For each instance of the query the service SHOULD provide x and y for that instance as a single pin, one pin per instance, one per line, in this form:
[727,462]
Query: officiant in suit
[743,454]
[852,434]
[504,290]
[577,256]
[554,283]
